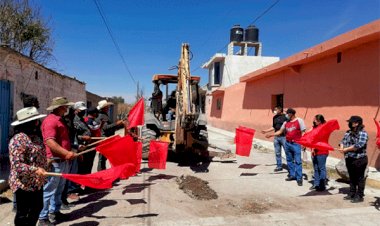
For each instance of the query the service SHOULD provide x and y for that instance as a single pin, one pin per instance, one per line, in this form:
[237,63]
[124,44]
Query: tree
[23,29]
[139,92]
[118,100]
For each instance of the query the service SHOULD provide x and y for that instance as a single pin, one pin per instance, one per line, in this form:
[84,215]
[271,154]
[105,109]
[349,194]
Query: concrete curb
[373,174]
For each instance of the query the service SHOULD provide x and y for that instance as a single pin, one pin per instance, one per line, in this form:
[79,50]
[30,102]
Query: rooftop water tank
[251,34]
[237,34]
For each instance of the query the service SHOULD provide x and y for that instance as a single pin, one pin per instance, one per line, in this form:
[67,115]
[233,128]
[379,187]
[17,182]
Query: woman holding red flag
[354,148]
[319,160]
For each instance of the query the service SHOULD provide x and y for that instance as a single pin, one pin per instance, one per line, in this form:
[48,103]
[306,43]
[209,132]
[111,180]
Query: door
[6,107]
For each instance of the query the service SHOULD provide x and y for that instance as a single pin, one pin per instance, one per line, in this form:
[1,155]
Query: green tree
[23,29]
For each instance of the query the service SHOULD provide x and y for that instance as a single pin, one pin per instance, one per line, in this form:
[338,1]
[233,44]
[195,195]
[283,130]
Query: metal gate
[6,107]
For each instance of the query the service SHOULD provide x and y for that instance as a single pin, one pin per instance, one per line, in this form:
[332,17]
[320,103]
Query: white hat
[26,115]
[80,105]
[103,103]
[58,102]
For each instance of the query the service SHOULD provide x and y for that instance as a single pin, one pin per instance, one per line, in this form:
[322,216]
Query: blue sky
[150,33]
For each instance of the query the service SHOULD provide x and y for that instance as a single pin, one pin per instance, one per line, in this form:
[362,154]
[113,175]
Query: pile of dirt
[196,188]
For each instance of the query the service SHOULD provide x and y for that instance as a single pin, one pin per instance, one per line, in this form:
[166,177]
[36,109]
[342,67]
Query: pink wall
[323,86]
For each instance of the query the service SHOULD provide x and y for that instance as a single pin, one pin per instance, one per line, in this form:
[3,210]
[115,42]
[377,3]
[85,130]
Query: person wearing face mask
[279,141]
[56,138]
[293,128]
[319,160]
[354,148]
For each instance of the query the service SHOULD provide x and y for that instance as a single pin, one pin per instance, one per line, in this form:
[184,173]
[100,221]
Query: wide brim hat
[355,118]
[26,115]
[58,102]
[103,104]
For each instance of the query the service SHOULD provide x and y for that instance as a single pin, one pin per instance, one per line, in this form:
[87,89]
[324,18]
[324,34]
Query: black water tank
[237,34]
[251,34]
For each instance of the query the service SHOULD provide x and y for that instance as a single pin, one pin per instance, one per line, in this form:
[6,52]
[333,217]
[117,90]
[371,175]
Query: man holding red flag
[293,128]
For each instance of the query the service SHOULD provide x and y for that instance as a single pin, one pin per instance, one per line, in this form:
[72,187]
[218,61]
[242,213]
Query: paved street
[249,193]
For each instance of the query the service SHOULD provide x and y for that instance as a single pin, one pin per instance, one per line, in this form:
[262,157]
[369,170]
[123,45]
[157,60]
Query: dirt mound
[196,188]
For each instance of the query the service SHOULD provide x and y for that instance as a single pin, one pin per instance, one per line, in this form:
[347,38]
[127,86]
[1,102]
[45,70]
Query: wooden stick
[97,142]
[95,138]
[86,151]
[53,174]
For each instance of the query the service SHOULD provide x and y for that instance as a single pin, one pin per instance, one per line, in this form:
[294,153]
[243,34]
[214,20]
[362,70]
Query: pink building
[337,78]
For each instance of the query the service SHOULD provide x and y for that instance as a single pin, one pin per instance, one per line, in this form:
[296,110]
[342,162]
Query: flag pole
[53,174]
[86,151]
[97,142]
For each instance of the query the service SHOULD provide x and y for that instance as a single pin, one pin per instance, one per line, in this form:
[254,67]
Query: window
[36,75]
[339,57]
[278,100]
[217,73]
[219,104]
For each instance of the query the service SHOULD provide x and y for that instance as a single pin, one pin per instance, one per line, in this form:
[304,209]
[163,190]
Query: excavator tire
[147,135]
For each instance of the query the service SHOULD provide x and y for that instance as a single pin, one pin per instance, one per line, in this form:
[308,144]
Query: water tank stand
[244,48]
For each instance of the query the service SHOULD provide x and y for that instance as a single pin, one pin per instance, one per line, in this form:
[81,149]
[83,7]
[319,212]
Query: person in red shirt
[56,138]
[319,160]
[293,129]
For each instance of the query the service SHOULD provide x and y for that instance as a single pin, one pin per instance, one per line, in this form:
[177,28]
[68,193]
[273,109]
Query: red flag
[243,140]
[378,133]
[120,151]
[103,179]
[136,114]
[318,137]
[158,152]
[108,140]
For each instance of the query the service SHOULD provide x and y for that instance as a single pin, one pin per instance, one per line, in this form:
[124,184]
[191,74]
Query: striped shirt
[358,140]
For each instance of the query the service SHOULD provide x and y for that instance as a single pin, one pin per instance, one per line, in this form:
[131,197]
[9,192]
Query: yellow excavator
[179,119]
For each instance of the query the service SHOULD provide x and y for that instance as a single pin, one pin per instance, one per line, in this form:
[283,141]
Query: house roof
[367,33]
[12,51]
[216,57]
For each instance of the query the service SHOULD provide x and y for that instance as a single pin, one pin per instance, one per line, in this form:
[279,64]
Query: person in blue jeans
[279,141]
[293,128]
[319,160]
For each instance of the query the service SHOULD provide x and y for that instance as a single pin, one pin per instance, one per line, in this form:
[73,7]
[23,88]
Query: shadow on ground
[86,223]
[160,177]
[143,215]
[90,209]
[135,188]
[376,203]
[92,197]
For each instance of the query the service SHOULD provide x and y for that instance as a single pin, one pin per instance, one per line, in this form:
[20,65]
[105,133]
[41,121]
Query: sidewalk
[373,174]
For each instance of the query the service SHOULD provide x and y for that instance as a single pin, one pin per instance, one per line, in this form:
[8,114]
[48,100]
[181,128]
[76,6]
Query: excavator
[181,120]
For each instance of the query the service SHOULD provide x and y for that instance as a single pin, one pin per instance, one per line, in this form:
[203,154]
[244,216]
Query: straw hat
[26,115]
[103,104]
[58,102]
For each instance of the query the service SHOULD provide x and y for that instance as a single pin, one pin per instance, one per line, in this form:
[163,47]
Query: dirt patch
[256,205]
[196,188]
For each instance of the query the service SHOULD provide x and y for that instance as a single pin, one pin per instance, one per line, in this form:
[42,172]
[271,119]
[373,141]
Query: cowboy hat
[103,104]
[26,115]
[58,102]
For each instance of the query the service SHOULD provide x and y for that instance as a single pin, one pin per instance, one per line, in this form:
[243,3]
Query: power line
[256,19]
[98,6]
[267,10]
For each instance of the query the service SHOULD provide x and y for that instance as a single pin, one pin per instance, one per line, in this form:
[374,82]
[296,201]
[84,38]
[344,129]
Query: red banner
[158,152]
[243,140]
[103,179]
[136,114]
[318,137]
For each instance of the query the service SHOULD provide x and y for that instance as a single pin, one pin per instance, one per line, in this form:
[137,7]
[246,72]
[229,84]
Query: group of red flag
[317,138]
[124,155]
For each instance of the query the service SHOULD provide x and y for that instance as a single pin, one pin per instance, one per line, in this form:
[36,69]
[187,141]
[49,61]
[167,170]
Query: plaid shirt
[358,140]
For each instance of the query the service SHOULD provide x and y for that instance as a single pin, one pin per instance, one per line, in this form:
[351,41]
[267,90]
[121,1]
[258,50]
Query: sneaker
[357,199]
[73,196]
[299,182]
[278,169]
[57,217]
[45,222]
[290,178]
[348,197]
[313,188]
[319,188]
